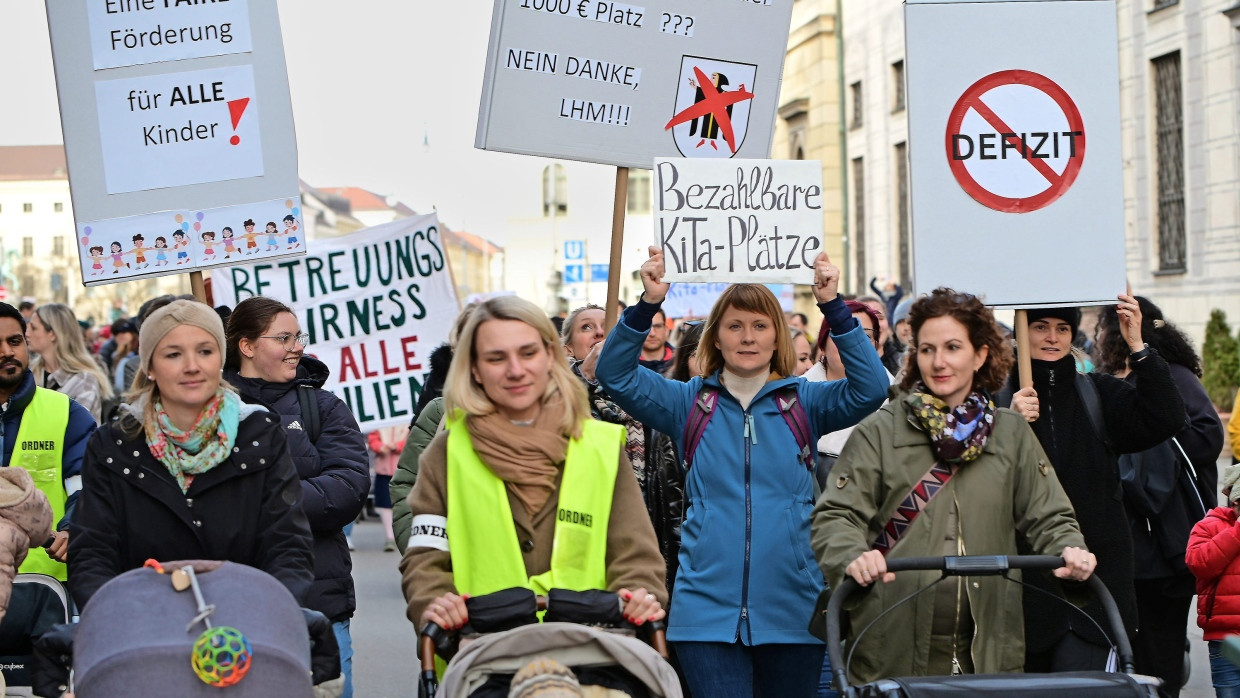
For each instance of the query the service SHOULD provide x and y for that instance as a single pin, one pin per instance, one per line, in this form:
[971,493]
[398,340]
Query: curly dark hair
[978,320]
[1168,340]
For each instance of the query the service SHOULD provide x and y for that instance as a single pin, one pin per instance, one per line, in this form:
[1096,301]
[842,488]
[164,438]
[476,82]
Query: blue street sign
[574,249]
[574,273]
[598,272]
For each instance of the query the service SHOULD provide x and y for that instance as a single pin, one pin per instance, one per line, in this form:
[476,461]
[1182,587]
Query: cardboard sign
[738,220]
[1014,142]
[696,300]
[621,84]
[184,138]
[134,32]
[375,304]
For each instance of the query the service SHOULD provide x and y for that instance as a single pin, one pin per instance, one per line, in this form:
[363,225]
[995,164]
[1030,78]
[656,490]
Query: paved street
[384,660]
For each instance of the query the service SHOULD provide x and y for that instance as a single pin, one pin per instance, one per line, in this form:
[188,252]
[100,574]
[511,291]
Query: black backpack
[308,401]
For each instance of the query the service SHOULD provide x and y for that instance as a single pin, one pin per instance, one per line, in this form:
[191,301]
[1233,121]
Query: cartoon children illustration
[208,245]
[118,261]
[161,255]
[272,231]
[96,257]
[179,243]
[290,231]
[139,252]
[251,242]
[229,247]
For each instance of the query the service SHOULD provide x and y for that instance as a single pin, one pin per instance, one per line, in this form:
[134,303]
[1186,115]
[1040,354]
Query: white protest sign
[179,128]
[1014,138]
[696,300]
[738,220]
[194,133]
[375,304]
[624,83]
[133,32]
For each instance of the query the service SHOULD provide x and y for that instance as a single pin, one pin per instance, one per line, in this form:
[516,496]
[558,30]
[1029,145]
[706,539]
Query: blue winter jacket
[746,568]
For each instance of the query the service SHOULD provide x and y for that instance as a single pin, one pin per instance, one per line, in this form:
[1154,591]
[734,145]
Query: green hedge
[1220,358]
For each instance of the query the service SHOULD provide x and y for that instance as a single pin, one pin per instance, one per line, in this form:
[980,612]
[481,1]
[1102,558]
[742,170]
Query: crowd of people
[714,473]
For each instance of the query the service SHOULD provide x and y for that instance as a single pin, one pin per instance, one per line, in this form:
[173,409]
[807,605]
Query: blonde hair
[753,298]
[70,346]
[463,393]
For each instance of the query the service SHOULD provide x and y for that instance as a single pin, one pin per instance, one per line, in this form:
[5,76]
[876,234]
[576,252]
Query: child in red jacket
[1213,555]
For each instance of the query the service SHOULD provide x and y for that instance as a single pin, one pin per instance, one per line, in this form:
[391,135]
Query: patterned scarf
[201,448]
[957,435]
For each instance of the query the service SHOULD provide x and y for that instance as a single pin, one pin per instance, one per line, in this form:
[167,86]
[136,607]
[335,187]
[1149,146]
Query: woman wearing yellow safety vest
[522,488]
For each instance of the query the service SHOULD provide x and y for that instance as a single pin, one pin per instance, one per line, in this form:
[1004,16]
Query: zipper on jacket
[744,619]
[1050,414]
[751,431]
[960,590]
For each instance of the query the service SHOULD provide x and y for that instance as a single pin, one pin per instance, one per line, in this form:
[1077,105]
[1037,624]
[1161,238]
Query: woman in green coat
[941,471]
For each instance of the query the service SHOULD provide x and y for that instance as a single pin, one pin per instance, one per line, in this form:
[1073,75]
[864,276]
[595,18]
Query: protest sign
[375,304]
[1014,136]
[622,84]
[738,220]
[133,32]
[696,300]
[176,117]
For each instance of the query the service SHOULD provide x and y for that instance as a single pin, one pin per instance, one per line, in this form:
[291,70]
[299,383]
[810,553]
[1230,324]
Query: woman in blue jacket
[747,581]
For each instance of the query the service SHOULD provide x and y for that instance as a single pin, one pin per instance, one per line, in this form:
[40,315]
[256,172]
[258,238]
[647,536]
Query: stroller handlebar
[971,565]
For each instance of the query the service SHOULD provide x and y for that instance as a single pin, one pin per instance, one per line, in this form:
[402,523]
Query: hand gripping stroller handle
[971,565]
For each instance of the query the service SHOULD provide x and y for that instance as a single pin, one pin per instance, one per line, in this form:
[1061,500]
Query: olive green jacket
[420,434]
[1010,492]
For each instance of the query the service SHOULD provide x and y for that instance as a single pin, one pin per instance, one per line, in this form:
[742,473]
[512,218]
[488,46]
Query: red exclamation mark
[236,108]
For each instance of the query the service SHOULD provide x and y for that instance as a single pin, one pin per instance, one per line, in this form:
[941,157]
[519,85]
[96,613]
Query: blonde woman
[522,488]
[64,364]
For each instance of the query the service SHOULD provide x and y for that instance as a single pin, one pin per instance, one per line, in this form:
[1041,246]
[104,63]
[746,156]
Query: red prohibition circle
[1059,183]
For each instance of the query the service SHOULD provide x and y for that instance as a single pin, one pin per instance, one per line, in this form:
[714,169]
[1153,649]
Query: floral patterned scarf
[957,435]
[201,448]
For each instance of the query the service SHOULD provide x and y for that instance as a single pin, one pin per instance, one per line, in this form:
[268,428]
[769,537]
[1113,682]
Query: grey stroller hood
[568,643]
[132,639]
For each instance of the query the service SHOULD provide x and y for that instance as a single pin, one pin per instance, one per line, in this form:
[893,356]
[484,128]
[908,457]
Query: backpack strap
[309,404]
[794,415]
[699,417]
[1088,392]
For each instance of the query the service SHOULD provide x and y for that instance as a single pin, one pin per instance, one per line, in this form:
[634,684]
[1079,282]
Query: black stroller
[582,630]
[1095,684]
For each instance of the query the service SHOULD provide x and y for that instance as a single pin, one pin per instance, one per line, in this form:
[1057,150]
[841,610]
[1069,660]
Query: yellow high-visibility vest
[40,449]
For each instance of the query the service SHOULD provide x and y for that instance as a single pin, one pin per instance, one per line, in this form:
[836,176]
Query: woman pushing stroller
[523,489]
[941,471]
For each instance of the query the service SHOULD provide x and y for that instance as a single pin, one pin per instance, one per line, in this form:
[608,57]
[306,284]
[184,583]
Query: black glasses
[289,340]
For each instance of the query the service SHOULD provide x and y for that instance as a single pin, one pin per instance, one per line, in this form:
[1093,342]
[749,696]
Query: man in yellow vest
[44,432]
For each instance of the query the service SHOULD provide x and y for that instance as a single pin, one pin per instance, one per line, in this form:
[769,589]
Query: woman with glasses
[64,364]
[267,364]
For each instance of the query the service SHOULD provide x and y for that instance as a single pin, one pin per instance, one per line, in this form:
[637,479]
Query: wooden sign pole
[619,205]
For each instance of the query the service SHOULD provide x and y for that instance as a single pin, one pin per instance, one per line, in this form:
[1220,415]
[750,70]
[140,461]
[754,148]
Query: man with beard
[44,432]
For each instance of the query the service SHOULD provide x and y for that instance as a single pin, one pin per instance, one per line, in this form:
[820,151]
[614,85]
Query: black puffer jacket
[1138,416]
[335,477]
[244,510]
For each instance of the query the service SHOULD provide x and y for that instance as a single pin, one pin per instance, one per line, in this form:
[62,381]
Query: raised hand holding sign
[654,290]
[826,278]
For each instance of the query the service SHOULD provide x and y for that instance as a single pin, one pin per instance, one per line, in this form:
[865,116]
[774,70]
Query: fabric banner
[375,304]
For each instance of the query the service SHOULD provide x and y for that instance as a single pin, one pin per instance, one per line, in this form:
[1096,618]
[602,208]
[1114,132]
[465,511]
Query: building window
[58,207]
[639,192]
[858,236]
[858,113]
[58,246]
[902,228]
[555,190]
[27,247]
[27,208]
[1169,140]
[796,115]
[1159,4]
[897,83]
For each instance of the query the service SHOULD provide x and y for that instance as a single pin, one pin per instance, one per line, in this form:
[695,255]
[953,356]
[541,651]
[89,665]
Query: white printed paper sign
[738,220]
[179,128]
[157,243]
[134,32]
[375,303]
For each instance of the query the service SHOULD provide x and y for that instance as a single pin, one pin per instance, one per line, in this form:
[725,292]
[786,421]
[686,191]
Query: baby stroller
[150,632]
[39,602]
[583,630]
[1095,684]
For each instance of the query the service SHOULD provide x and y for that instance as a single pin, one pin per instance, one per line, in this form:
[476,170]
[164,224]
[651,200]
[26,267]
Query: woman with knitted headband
[188,471]
[1214,557]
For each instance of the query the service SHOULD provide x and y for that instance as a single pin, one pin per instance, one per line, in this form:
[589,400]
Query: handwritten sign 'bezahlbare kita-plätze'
[738,220]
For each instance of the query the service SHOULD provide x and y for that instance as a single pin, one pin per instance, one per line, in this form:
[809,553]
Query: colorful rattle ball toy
[221,656]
